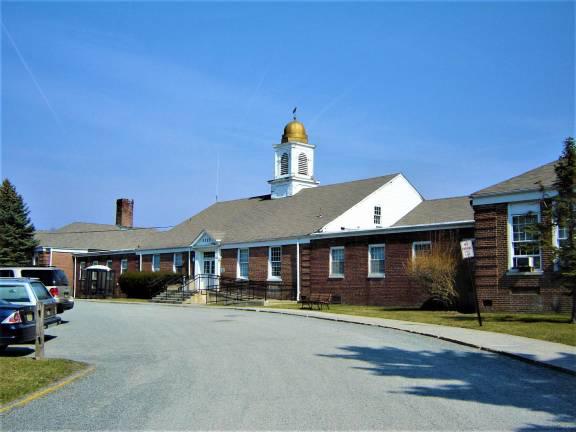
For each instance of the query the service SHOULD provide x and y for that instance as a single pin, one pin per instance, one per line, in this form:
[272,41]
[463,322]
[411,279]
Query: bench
[317,299]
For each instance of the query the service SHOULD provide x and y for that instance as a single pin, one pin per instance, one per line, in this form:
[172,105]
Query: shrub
[145,285]
[437,271]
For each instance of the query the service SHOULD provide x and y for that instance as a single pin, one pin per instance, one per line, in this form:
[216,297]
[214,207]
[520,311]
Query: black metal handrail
[232,291]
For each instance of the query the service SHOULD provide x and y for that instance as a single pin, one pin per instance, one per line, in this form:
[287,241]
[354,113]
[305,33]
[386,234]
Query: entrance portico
[207,261]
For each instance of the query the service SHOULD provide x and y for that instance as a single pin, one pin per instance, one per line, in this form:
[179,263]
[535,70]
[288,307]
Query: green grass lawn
[21,376]
[548,327]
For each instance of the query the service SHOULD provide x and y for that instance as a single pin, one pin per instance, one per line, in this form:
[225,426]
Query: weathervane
[294,112]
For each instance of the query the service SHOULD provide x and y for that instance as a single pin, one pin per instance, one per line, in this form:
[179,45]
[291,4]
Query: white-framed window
[81,273]
[302,164]
[156,262]
[94,274]
[376,260]
[275,263]
[109,264]
[95,262]
[337,261]
[420,248]
[377,215]
[561,236]
[177,263]
[284,164]
[524,240]
[243,263]
[123,265]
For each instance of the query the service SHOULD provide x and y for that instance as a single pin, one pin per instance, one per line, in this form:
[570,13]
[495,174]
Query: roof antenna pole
[217,173]
[294,112]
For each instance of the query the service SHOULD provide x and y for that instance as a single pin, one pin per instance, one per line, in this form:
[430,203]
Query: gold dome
[295,131]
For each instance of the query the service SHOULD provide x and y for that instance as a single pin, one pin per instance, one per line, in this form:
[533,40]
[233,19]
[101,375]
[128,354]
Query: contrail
[331,104]
[34,80]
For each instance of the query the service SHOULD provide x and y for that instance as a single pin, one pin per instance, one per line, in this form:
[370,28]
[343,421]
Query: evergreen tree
[17,241]
[560,214]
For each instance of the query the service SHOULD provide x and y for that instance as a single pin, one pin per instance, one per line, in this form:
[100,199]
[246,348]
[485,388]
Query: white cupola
[293,162]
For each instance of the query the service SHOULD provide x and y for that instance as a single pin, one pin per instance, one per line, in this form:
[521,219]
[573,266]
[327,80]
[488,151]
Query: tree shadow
[475,376]
[17,351]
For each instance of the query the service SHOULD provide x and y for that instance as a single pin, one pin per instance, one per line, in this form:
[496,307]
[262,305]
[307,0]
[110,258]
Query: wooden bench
[317,299]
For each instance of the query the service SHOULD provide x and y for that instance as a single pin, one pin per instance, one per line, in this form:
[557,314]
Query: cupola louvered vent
[284,164]
[302,164]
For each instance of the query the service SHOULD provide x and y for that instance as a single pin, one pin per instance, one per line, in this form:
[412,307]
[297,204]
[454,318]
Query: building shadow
[474,376]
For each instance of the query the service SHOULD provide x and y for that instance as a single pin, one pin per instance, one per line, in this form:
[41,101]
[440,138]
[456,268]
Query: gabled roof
[439,211]
[261,218]
[82,235]
[526,182]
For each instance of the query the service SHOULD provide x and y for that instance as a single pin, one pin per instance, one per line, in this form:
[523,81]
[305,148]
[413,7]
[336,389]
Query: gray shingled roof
[81,235]
[445,210]
[262,218]
[529,181]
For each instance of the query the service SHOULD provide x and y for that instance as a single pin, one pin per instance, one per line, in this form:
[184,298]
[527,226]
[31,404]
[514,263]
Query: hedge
[145,285]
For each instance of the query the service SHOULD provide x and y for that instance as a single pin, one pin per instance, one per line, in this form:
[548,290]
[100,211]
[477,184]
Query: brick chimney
[125,212]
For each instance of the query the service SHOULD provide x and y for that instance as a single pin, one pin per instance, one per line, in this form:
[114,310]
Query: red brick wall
[258,264]
[532,293]
[394,290]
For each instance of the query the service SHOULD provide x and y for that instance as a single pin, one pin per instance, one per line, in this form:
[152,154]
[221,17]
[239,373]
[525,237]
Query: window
[177,263]
[275,271]
[81,271]
[562,236]
[94,262]
[284,164]
[209,262]
[525,241]
[420,248]
[109,264]
[377,215]
[376,260]
[123,265]
[6,273]
[302,164]
[337,261]
[243,258]
[155,262]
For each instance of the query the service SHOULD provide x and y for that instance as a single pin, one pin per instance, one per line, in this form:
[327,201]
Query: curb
[444,338]
[45,390]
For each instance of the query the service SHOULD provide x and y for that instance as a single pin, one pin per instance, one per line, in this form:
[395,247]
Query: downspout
[74,281]
[298,269]
[140,266]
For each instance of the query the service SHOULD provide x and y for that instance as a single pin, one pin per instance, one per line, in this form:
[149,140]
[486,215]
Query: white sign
[467,247]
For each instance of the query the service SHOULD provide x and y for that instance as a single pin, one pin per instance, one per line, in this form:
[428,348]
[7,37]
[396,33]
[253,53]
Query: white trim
[47,248]
[159,262]
[105,252]
[174,261]
[267,243]
[121,268]
[161,251]
[189,262]
[238,272]
[519,209]
[513,197]
[419,243]
[140,266]
[370,273]
[298,271]
[270,277]
[336,275]
[394,230]
[74,277]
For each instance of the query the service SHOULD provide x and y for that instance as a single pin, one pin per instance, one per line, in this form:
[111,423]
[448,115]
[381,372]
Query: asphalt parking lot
[174,368]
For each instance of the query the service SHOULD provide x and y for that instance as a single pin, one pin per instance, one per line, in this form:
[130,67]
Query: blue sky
[137,99]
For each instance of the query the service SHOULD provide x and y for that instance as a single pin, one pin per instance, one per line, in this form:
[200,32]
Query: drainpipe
[140,267]
[74,281]
[297,269]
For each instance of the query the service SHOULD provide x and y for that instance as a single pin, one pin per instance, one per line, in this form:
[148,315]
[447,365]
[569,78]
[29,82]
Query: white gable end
[203,240]
[395,199]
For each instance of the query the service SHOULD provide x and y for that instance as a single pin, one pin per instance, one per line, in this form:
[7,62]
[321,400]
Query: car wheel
[60,309]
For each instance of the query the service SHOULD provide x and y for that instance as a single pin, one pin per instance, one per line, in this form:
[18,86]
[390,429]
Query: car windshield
[14,293]
[49,277]
[40,291]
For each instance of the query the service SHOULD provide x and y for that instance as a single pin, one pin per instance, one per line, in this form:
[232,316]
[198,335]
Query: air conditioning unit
[525,264]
